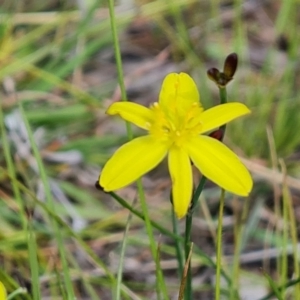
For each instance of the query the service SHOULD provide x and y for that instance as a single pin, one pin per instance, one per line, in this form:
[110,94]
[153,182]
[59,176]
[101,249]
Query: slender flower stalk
[219,247]
[187,237]
[178,244]
[176,125]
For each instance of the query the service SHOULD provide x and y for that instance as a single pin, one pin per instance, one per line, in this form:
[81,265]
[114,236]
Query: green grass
[64,239]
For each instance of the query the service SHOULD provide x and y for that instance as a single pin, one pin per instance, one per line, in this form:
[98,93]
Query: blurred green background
[58,75]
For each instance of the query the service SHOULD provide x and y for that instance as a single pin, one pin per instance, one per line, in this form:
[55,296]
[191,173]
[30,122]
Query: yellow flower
[175,125]
[2,291]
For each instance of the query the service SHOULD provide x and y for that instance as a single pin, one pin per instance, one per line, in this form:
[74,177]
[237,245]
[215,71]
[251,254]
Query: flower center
[174,125]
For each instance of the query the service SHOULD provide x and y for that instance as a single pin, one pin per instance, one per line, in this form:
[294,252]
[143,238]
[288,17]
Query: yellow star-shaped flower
[175,125]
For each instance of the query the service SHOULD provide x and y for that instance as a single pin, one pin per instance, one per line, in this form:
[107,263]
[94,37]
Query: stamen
[166,129]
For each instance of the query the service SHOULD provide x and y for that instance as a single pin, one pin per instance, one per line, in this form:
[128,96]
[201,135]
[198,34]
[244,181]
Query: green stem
[187,239]
[223,94]
[197,193]
[223,100]
[122,256]
[177,244]
[282,287]
[187,244]
[219,247]
[161,286]
[113,24]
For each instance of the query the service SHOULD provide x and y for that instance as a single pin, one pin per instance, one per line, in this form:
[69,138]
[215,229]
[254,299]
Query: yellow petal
[219,164]
[222,114]
[132,112]
[182,180]
[178,93]
[131,161]
[2,291]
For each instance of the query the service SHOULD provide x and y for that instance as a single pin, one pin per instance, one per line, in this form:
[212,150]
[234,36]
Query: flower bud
[230,65]
[214,75]
[223,78]
[217,134]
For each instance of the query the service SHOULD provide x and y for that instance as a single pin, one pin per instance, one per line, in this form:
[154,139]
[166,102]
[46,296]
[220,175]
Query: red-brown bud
[230,65]
[214,74]
[217,134]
